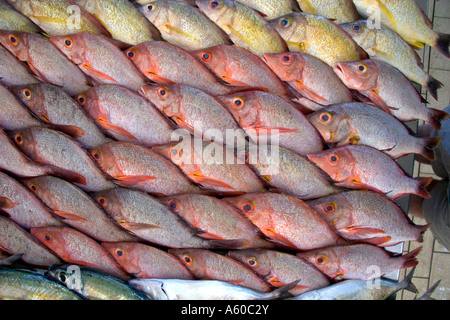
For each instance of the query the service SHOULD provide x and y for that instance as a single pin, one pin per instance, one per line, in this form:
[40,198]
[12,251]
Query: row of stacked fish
[93,177]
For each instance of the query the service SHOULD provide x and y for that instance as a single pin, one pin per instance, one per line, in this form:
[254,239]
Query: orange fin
[378,101]
[5,203]
[72,131]
[158,79]
[234,82]
[378,241]
[69,216]
[269,129]
[68,175]
[96,73]
[180,122]
[309,92]
[209,236]
[362,231]
[37,73]
[116,129]
[131,180]
[135,227]
[275,282]
[409,260]
[207,181]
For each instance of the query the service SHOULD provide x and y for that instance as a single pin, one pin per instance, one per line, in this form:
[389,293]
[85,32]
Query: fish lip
[338,69]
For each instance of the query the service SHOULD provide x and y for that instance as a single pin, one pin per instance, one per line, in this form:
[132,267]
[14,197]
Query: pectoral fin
[69,216]
[96,73]
[115,129]
[309,93]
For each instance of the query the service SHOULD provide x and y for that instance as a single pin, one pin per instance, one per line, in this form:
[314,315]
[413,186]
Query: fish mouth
[339,71]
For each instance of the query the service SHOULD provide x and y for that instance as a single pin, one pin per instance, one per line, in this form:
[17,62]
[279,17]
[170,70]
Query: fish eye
[329,207]
[244,156]
[96,154]
[325,117]
[102,201]
[238,102]
[120,252]
[162,92]
[81,99]
[320,260]
[26,93]
[206,56]
[34,187]
[334,158]
[188,260]
[214,4]
[357,27]
[252,262]
[175,151]
[286,59]
[18,138]
[68,43]
[248,207]
[151,7]
[48,238]
[62,276]
[284,23]
[362,67]
[13,39]
[174,205]
[131,54]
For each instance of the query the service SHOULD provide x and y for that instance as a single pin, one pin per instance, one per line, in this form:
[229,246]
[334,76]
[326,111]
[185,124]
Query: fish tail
[432,86]
[428,144]
[421,231]
[423,183]
[436,117]
[427,294]
[407,282]
[282,292]
[442,43]
[409,260]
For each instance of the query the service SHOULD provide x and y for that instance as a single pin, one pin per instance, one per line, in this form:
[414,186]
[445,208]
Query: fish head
[109,201]
[359,75]
[105,157]
[147,61]
[17,43]
[258,260]
[90,102]
[193,259]
[358,30]
[166,98]
[33,96]
[182,152]
[335,209]
[73,46]
[155,11]
[38,186]
[338,163]
[254,206]
[243,106]
[219,11]
[292,28]
[25,142]
[126,254]
[52,237]
[332,123]
[181,204]
[288,66]
[215,59]
[326,260]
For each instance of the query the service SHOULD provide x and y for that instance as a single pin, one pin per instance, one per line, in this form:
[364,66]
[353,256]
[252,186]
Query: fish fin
[407,282]
[96,73]
[5,203]
[269,129]
[416,44]
[157,78]
[48,19]
[387,14]
[423,184]
[422,229]
[228,243]
[428,145]
[426,19]
[231,31]
[167,28]
[68,175]
[181,123]
[304,90]
[432,86]
[378,101]
[442,44]
[207,181]
[362,231]
[282,292]
[275,282]
[116,129]
[273,235]
[14,258]
[69,216]
[427,294]
[378,241]
[409,260]
[136,227]
[234,82]
[437,116]
[37,73]
[132,180]
[73,131]
[208,235]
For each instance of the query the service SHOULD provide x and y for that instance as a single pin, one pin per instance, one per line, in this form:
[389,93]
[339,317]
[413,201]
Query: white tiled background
[434,259]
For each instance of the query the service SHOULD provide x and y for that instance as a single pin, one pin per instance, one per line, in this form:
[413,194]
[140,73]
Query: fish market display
[211,149]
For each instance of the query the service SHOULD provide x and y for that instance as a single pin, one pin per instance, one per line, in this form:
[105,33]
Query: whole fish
[339,11]
[183,25]
[15,240]
[288,172]
[209,265]
[122,20]
[54,106]
[54,148]
[362,167]
[144,261]
[281,268]
[305,73]
[20,284]
[45,60]
[363,124]
[358,261]
[407,19]
[58,17]
[317,36]
[147,218]
[13,115]
[271,9]
[175,289]
[76,208]
[194,110]
[385,45]
[22,206]
[12,20]
[100,59]
[164,63]
[264,114]
[245,27]
[389,90]
[12,71]
[216,219]
[368,217]
[93,284]
[376,289]
[280,217]
[75,247]
[135,166]
[125,115]
[212,166]
[238,66]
